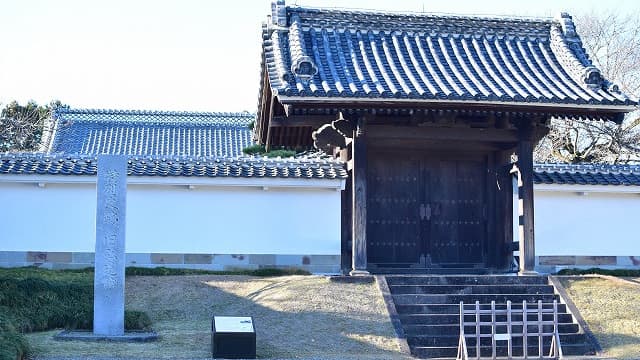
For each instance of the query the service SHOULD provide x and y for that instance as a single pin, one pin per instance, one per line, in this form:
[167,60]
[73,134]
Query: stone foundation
[553,264]
[317,264]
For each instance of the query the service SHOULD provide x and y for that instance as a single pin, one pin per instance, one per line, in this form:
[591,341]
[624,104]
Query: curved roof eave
[292,100]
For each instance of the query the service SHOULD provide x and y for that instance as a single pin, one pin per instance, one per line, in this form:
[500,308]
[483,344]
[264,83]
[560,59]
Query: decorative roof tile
[352,54]
[587,174]
[148,133]
[309,167]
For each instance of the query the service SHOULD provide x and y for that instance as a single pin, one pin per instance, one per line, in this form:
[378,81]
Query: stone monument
[108,303]
[108,284]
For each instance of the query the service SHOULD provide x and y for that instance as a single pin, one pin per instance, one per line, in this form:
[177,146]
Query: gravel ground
[612,309]
[295,317]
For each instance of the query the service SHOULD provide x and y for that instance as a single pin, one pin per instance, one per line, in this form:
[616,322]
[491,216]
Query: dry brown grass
[612,309]
[295,317]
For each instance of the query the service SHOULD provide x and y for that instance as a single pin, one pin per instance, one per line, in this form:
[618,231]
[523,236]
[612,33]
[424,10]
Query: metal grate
[485,324]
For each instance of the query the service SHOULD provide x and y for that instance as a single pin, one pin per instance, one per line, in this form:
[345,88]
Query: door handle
[425,212]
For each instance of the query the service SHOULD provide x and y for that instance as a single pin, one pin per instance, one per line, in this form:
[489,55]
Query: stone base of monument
[87,335]
[233,337]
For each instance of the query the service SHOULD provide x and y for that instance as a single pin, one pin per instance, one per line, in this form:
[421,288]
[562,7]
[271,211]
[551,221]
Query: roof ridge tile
[247,166]
[588,174]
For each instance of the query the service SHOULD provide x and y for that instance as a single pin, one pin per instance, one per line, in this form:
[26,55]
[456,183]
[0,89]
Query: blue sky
[188,55]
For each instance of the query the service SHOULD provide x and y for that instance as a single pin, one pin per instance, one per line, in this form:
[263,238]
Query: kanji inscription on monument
[108,303]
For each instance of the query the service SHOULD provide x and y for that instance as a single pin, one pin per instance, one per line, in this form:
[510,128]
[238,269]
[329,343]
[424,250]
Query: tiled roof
[310,167]
[341,55]
[587,174]
[148,133]
[306,167]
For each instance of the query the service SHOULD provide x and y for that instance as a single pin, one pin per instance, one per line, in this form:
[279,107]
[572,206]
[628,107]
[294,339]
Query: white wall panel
[598,223]
[173,218]
[233,220]
[56,217]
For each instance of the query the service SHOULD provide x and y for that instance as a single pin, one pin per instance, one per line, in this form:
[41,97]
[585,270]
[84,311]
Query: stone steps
[452,340]
[433,319]
[403,270]
[465,280]
[418,299]
[428,309]
[453,308]
[471,289]
[453,329]
[486,351]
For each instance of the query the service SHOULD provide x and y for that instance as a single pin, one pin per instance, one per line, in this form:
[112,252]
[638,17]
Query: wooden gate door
[425,212]
[457,224]
[393,216]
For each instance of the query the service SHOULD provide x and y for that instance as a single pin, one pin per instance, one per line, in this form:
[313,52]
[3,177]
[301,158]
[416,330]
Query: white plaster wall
[174,218]
[280,220]
[233,220]
[598,223]
[56,217]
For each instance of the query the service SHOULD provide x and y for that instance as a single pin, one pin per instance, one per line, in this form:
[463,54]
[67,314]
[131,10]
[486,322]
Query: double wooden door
[426,211]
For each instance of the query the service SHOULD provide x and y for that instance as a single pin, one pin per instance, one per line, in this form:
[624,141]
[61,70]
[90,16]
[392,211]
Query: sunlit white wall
[596,221]
[169,218]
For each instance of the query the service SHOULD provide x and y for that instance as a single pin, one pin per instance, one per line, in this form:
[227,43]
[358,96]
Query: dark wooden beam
[525,164]
[491,191]
[267,144]
[441,133]
[424,145]
[263,114]
[346,226]
[502,255]
[314,121]
[359,200]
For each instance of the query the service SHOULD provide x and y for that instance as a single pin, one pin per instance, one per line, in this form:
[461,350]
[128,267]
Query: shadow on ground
[295,317]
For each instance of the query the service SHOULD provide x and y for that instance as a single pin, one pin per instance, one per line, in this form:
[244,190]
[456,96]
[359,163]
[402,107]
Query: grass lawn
[295,317]
[612,309]
[309,317]
[34,299]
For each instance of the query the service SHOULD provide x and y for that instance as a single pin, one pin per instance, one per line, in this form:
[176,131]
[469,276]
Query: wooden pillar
[359,201]
[516,182]
[525,164]
[502,250]
[267,141]
[346,227]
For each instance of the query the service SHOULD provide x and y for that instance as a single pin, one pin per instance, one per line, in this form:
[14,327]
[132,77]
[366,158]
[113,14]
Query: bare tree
[590,141]
[21,126]
[613,42]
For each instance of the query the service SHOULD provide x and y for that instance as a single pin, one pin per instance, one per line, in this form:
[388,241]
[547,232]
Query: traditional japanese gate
[433,89]
[426,211]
